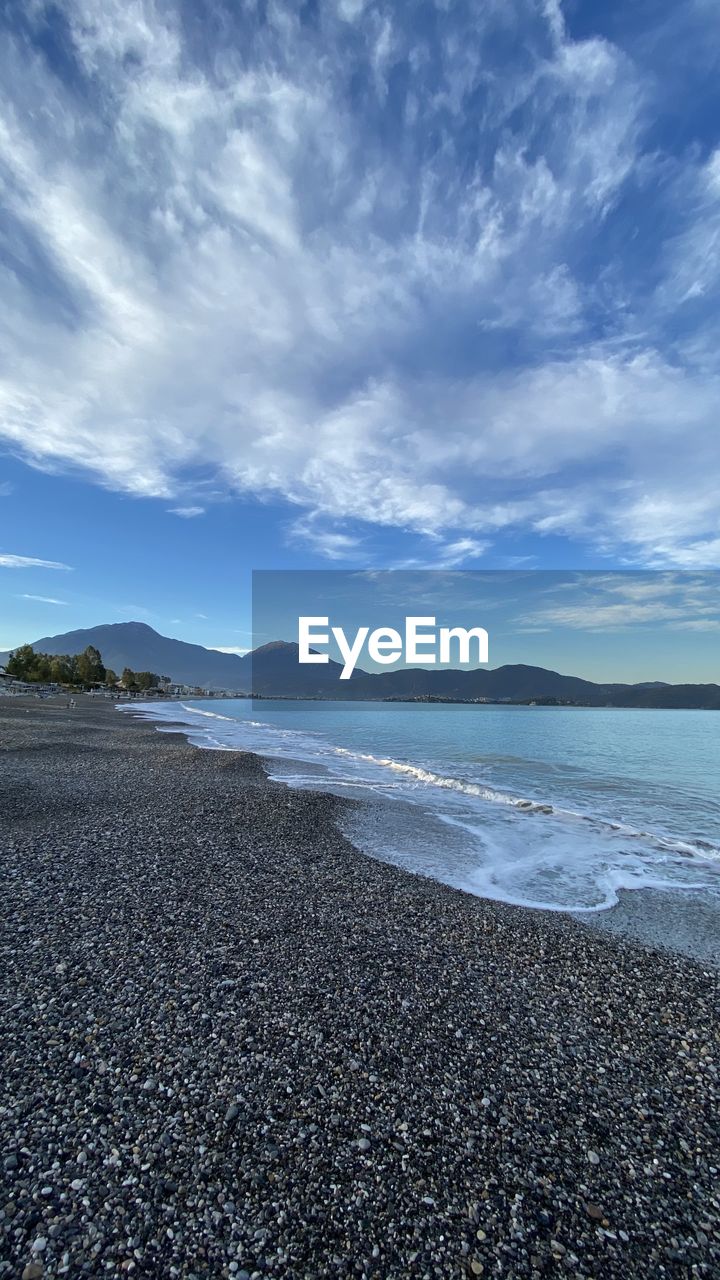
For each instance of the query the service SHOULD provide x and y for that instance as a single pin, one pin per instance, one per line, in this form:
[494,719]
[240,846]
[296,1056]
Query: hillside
[140,647]
[273,669]
[136,645]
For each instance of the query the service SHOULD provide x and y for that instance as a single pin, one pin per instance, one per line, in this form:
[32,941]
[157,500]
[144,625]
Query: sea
[563,808]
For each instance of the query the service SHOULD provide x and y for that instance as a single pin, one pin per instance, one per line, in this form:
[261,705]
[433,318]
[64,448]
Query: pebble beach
[233,1046]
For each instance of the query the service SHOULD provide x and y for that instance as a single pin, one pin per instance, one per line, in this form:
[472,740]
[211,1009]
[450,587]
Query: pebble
[223,1005]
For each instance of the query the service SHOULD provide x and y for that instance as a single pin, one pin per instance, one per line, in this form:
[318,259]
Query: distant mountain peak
[140,628]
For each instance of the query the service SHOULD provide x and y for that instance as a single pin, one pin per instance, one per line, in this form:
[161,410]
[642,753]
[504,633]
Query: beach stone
[179,918]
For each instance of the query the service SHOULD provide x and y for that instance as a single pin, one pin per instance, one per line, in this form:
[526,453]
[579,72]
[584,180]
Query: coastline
[307,1062]
[686,921]
[664,920]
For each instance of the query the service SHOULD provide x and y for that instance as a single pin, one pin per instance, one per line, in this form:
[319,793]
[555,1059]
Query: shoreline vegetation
[234,1046]
[73,671]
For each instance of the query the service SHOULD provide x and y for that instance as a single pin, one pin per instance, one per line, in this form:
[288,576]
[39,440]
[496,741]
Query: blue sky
[351,284]
[604,625]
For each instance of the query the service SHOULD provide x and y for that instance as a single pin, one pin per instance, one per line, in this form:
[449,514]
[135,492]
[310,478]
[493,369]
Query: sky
[617,625]
[349,284]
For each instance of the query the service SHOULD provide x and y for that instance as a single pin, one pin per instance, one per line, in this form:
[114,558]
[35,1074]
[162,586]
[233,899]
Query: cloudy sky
[350,283]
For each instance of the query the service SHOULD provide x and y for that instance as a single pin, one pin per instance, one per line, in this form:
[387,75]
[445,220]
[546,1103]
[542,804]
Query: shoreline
[307,1062]
[675,920]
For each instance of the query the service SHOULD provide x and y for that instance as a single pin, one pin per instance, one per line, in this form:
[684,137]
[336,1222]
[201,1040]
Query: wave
[477,837]
[702,848]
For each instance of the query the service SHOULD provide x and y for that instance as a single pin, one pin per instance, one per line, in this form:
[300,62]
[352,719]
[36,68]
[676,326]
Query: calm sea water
[558,807]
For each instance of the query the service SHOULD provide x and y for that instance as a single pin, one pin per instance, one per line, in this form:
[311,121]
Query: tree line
[80,670]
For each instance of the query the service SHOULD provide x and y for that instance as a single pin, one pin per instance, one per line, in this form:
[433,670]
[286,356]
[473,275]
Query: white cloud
[218,648]
[187,513]
[42,599]
[698,624]
[680,601]
[608,617]
[249,280]
[350,9]
[446,555]
[310,531]
[29,562]
[460,551]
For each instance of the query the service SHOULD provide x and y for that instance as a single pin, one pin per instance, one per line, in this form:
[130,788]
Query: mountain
[135,645]
[273,669]
[521,683]
[516,682]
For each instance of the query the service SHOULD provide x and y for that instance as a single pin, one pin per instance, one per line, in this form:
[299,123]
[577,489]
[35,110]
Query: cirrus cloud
[372,267]
[29,562]
[41,599]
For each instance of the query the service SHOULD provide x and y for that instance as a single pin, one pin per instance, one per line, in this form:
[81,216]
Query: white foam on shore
[475,837]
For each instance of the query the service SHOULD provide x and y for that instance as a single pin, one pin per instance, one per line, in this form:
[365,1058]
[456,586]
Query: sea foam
[493,842]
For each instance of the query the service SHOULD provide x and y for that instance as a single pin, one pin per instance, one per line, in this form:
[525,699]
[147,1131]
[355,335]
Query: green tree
[79,668]
[129,678]
[90,667]
[22,663]
[110,677]
[147,680]
[61,669]
[43,667]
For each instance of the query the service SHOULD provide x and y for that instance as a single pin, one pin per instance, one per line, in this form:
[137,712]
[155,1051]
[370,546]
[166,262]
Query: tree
[90,667]
[110,677]
[61,669]
[22,663]
[79,668]
[129,679]
[43,667]
[147,680]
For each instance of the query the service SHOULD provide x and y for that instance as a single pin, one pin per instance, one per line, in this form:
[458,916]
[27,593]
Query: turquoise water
[559,807]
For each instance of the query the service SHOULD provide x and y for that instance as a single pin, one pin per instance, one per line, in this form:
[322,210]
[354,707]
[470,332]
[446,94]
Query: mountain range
[273,669]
